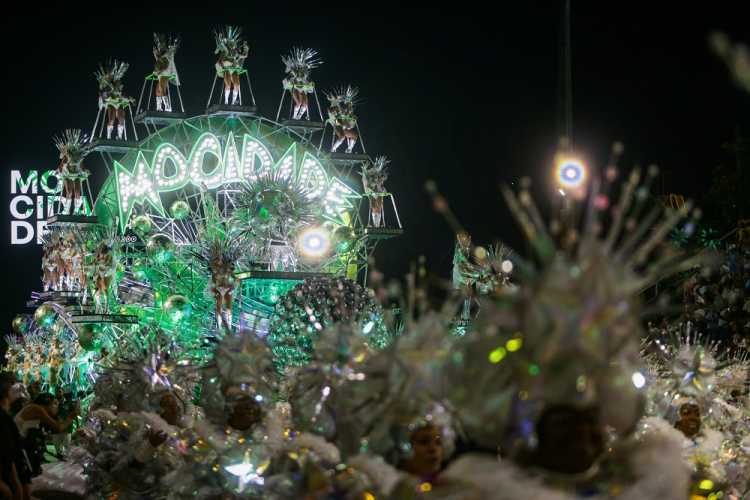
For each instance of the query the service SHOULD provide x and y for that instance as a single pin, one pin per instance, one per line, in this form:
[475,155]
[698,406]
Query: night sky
[464,94]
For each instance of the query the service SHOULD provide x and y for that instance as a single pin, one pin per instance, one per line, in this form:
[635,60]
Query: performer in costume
[50,260]
[244,428]
[66,262]
[555,368]
[688,410]
[72,147]
[464,273]
[373,179]
[135,451]
[104,266]
[232,51]
[111,96]
[341,116]
[220,254]
[298,81]
[164,51]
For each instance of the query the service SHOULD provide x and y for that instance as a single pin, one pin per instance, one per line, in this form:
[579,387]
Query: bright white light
[314,242]
[562,192]
[245,473]
[638,380]
[506,266]
[570,173]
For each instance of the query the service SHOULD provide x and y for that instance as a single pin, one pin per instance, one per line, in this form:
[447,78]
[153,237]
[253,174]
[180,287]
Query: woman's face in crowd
[51,408]
[428,453]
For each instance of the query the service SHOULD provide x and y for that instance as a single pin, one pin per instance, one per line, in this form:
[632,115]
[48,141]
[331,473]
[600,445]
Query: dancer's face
[690,419]
[570,439]
[245,413]
[428,453]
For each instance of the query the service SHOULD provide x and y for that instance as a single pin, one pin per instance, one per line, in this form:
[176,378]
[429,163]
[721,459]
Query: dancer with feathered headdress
[244,426]
[233,51]
[374,176]
[341,115]
[464,273]
[72,147]
[550,375]
[165,48]
[154,381]
[298,65]
[111,96]
[104,267]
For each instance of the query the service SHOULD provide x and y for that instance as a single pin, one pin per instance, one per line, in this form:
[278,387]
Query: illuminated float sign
[146,180]
[33,203]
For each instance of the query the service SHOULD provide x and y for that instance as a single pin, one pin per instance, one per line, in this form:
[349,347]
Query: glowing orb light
[179,209]
[571,173]
[90,338]
[343,239]
[160,248]
[21,324]
[177,308]
[45,316]
[639,380]
[141,224]
[314,242]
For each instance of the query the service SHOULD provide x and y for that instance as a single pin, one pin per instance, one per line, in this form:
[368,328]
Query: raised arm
[36,412]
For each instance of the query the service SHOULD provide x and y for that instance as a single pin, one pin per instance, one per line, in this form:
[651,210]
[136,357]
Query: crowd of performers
[556,390]
[49,360]
[66,267]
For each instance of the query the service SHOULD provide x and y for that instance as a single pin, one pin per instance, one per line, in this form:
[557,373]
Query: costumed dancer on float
[244,426]
[111,96]
[67,254]
[164,69]
[72,147]
[50,260]
[298,81]
[220,255]
[232,51]
[77,265]
[154,382]
[550,375]
[394,427]
[464,273]
[688,408]
[373,178]
[104,267]
[319,421]
[341,116]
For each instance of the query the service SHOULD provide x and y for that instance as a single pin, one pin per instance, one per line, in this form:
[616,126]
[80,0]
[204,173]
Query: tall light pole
[564,80]
[569,172]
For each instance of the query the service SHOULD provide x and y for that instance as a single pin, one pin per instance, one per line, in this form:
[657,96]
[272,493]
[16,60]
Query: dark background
[462,93]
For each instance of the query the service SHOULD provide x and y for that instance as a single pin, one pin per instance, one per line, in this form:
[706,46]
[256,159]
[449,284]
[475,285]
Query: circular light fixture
[571,173]
[314,242]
